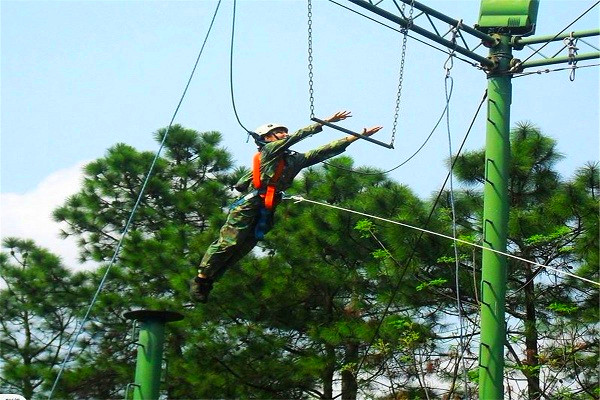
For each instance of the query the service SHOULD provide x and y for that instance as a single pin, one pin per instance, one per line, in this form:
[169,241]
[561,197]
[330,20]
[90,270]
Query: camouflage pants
[236,238]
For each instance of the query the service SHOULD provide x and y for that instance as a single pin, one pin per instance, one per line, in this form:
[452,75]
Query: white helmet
[266,128]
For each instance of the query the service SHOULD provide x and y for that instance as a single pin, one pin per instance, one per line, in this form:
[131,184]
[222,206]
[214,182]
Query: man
[251,216]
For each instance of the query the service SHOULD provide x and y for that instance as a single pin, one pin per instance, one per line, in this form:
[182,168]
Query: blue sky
[78,77]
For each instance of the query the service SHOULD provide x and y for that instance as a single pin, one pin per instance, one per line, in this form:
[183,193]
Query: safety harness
[267,192]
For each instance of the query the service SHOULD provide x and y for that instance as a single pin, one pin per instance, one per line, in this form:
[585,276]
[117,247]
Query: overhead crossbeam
[442,17]
[519,42]
[410,25]
[558,60]
[349,132]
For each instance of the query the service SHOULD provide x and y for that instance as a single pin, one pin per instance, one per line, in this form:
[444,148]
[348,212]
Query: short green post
[495,225]
[150,350]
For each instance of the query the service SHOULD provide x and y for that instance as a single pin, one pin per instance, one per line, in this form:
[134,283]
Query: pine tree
[329,298]
[175,220]
[552,222]
[41,302]
[312,303]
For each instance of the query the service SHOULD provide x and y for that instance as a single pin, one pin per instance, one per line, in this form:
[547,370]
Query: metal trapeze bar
[442,17]
[417,29]
[558,60]
[349,132]
[519,41]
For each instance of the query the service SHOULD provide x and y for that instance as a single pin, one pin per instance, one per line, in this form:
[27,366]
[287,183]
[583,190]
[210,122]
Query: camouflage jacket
[272,152]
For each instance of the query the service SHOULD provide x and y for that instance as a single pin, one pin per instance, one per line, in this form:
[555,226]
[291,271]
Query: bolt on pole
[150,350]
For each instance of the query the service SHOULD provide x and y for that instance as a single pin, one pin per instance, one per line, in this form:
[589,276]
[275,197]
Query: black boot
[200,288]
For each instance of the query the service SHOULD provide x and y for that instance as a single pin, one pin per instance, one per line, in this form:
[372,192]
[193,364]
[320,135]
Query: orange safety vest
[269,194]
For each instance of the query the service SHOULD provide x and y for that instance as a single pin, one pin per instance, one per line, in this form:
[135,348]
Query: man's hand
[371,131]
[365,132]
[338,116]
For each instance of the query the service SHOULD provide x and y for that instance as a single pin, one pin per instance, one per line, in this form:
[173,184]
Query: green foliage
[431,283]
[529,370]
[473,374]
[447,260]
[381,254]
[538,239]
[409,334]
[186,190]
[562,308]
[351,367]
[565,393]
[343,269]
[300,313]
[176,219]
[365,227]
[41,301]
[382,347]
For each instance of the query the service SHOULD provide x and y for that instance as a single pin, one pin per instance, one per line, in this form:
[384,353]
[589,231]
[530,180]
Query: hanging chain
[571,44]
[311,90]
[401,73]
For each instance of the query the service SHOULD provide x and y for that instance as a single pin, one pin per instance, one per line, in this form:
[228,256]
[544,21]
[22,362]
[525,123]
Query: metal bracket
[135,330]
[516,65]
[485,223]
[483,291]
[487,166]
[494,66]
[127,389]
[487,346]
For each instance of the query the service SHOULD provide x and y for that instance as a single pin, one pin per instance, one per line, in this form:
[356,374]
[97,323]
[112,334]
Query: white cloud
[29,215]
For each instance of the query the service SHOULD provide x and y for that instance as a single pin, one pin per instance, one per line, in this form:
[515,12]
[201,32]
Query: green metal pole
[495,225]
[150,350]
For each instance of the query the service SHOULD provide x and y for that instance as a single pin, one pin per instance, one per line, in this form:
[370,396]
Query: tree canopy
[329,303]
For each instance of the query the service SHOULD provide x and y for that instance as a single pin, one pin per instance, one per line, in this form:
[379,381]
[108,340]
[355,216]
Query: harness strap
[271,190]
[269,197]
[256,171]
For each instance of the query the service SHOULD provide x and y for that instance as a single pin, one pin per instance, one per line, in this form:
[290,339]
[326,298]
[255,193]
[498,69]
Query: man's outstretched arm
[336,147]
[277,147]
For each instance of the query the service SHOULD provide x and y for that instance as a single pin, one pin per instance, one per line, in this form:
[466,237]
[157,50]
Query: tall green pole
[150,350]
[495,224]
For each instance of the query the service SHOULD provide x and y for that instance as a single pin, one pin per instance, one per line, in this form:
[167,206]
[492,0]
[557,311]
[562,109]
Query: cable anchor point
[571,44]
[294,197]
[516,66]
[450,60]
